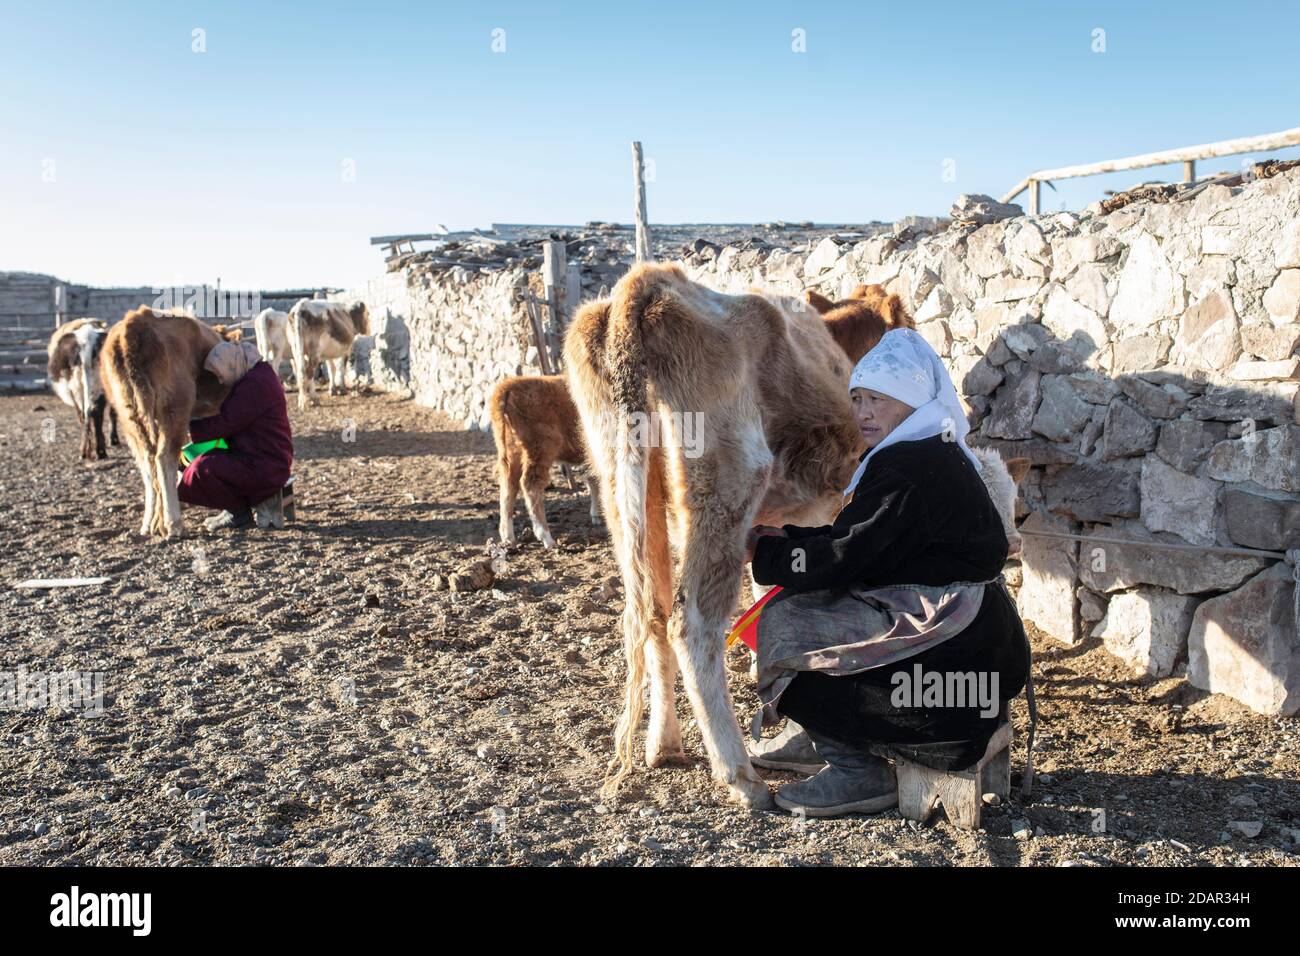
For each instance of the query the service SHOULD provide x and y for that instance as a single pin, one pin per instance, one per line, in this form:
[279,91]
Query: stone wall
[446,337]
[1143,359]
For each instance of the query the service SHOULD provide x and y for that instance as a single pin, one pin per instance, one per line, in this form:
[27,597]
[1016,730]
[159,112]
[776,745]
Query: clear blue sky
[173,166]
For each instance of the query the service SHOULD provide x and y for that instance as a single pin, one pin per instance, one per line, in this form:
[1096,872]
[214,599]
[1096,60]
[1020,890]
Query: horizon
[148,153]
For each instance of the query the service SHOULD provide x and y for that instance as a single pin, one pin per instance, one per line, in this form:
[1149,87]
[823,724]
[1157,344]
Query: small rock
[991,800]
[486,752]
[1021,830]
[195,792]
[1246,828]
[651,844]
[41,828]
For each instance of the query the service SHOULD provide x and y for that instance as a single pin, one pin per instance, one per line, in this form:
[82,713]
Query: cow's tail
[627,379]
[262,334]
[87,382]
[298,347]
[129,389]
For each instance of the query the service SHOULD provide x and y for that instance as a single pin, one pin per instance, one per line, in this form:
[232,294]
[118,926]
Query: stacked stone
[1146,362]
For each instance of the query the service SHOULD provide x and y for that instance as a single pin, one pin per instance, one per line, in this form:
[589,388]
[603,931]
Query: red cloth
[254,421]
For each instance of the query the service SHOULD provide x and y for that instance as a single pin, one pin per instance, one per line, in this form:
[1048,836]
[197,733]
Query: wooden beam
[638,183]
[1227,147]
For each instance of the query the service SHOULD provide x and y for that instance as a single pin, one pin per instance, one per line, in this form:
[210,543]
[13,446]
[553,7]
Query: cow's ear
[873,291]
[819,301]
[1018,468]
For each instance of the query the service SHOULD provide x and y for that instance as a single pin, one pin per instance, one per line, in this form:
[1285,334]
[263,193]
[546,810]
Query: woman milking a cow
[903,585]
[245,479]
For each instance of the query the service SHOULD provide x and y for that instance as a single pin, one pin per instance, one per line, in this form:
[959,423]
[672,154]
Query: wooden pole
[1189,170]
[638,182]
[554,269]
[1035,196]
[572,291]
[544,361]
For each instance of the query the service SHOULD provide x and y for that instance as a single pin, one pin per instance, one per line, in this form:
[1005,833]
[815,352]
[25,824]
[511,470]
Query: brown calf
[152,367]
[859,321]
[534,425]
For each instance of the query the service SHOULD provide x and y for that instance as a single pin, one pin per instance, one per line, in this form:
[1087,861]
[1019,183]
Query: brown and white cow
[760,385]
[152,368]
[73,372]
[534,425]
[321,331]
[271,328]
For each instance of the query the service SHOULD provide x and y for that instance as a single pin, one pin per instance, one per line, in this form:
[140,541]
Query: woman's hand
[756,532]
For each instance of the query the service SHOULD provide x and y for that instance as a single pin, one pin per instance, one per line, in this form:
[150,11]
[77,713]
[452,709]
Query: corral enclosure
[307,697]
[1141,354]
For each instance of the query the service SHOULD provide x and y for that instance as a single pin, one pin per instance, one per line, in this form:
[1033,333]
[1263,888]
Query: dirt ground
[306,697]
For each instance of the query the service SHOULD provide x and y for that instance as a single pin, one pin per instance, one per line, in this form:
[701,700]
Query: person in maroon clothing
[254,421]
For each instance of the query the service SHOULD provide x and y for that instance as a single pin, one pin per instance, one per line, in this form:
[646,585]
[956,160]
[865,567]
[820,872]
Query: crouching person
[247,479]
[904,588]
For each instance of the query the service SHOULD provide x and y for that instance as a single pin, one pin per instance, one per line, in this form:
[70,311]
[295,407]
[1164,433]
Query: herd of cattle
[763,378]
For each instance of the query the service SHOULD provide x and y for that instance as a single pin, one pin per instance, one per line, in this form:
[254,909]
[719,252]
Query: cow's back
[153,362]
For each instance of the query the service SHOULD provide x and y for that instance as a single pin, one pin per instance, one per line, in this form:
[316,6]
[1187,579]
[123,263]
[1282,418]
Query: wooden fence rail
[1187,155]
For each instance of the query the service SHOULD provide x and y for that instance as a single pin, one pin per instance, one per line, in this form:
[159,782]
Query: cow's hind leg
[112,427]
[306,371]
[508,472]
[722,497]
[338,369]
[167,492]
[97,418]
[593,489]
[144,462]
[536,474]
[663,741]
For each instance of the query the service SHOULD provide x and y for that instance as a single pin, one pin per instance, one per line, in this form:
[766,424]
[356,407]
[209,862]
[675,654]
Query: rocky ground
[306,697]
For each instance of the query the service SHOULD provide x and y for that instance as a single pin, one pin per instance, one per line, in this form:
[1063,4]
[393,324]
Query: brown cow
[534,425]
[320,331]
[859,321]
[152,367]
[762,387]
[73,373]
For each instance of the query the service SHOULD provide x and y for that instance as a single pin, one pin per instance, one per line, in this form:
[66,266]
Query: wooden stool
[921,789]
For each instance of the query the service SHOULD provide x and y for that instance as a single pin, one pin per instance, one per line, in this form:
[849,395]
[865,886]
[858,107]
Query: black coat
[919,515]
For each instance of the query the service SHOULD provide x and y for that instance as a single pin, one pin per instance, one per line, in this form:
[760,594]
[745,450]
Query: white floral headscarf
[904,367]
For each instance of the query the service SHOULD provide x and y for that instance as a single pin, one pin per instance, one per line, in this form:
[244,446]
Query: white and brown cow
[73,372]
[152,368]
[534,425]
[760,386]
[270,326]
[321,331]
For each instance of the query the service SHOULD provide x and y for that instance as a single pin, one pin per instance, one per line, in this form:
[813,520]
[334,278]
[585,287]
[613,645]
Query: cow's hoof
[753,795]
[666,758]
